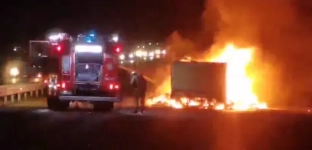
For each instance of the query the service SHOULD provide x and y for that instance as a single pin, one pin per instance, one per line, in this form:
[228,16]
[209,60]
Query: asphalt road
[29,125]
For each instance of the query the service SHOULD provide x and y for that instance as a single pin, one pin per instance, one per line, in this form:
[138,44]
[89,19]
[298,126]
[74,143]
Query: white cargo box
[204,78]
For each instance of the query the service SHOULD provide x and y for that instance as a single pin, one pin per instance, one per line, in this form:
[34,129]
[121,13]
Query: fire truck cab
[88,73]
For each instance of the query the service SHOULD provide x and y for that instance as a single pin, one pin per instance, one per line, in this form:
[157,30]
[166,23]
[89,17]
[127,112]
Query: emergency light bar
[55,37]
[88,48]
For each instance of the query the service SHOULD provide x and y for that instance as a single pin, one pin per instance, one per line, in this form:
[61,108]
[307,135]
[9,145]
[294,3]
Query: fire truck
[88,72]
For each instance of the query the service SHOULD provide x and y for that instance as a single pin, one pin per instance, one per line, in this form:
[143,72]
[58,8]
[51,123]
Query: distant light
[157,52]
[131,61]
[115,38]
[138,53]
[92,34]
[88,48]
[131,55]
[151,54]
[149,43]
[14,80]
[144,53]
[163,52]
[14,71]
[122,57]
[39,54]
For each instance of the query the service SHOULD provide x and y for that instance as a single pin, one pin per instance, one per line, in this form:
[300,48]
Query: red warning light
[117,49]
[58,48]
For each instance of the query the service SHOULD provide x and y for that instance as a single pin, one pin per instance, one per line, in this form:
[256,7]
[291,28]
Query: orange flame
[239,86]
[239,82]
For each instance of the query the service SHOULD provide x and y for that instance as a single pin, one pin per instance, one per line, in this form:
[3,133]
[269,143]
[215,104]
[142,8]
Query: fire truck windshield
[86,68]
[89,58]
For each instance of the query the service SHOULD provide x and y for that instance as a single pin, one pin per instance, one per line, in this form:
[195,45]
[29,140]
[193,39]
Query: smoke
[281,35]
[277,30]
[246,20]
[177,48]
[180,47]
[253,23]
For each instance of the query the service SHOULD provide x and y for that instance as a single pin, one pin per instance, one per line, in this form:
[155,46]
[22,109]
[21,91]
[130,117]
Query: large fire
[239,86]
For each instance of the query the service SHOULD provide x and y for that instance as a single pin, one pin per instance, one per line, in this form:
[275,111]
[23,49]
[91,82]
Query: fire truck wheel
[55,104]
[103,106]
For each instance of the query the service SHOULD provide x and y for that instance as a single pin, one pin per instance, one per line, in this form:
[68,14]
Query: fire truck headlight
[138,53]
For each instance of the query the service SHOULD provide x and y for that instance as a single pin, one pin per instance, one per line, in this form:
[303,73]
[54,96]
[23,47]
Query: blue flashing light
[92,33]
[89,39]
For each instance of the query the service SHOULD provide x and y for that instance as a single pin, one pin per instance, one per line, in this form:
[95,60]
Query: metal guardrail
[18,92]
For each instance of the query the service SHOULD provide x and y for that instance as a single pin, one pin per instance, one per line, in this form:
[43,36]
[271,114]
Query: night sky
[133,19]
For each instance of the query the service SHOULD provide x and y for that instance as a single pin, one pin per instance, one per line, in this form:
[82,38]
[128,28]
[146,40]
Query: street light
[14,72]
[151,54]
[138,53]
[122,57]
[144,53]
[16,48]
[157,52]
[163,52]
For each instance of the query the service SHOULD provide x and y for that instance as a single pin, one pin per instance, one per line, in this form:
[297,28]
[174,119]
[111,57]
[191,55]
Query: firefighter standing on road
[139,84]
